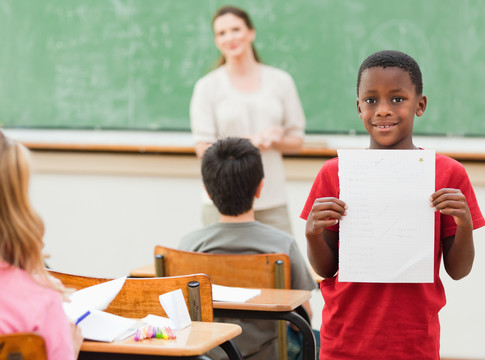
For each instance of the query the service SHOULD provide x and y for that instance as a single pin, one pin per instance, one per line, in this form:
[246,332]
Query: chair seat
[22,346]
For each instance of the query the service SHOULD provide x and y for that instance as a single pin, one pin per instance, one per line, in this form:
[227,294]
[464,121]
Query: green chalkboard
[132,64]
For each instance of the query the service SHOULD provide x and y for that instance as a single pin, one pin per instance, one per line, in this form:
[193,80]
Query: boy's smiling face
[387,103]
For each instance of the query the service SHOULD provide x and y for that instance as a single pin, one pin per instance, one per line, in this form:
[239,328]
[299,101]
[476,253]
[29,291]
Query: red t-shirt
[388,321]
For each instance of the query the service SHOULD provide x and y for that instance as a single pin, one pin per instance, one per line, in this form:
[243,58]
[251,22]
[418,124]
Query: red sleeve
[326,184]
[451,174]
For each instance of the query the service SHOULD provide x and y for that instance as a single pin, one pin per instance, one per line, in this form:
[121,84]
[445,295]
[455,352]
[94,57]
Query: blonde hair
[21,228]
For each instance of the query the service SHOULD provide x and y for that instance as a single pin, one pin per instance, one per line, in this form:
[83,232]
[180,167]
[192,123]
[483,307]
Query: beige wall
[105,212]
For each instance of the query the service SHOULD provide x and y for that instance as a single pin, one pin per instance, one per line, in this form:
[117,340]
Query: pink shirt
[28,306]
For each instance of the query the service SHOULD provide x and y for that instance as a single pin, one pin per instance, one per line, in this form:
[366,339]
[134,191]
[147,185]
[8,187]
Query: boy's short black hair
[393,58]
[232,170]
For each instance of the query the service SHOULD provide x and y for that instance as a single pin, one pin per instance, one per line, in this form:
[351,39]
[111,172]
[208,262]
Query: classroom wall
[105,212]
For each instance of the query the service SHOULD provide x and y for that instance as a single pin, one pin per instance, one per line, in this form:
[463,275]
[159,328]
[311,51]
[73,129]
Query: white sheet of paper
[103,326]
[233,294]
[388,233]
[97,297]
[174,305]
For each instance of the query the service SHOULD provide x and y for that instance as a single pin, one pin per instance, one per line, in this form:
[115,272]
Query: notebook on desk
[103,326]
[85,310]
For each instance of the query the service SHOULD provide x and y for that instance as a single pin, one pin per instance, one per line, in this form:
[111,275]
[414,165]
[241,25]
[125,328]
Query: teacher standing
[243,97]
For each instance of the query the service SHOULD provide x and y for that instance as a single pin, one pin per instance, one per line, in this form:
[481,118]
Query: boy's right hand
[325,212]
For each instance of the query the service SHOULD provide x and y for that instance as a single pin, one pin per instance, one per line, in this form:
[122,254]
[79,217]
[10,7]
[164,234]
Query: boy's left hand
[452,202]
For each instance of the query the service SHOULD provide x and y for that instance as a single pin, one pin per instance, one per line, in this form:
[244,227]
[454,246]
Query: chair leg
[194,301]
[280,284]
[282,350]
[159,266]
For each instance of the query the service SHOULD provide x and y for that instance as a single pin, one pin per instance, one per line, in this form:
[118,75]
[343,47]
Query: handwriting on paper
[388,233]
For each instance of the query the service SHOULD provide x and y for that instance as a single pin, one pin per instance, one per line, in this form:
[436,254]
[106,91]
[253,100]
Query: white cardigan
[218,110]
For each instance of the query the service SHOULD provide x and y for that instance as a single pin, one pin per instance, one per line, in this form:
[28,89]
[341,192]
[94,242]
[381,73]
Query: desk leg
[231,350]
[300,310]
[309,344]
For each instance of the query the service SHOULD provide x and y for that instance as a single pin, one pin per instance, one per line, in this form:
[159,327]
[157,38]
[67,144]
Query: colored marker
[170,333]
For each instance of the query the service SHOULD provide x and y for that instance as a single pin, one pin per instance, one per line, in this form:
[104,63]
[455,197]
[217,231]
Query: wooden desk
[275,304]
[272,304]
[146,271]
[191,343]
[276,300]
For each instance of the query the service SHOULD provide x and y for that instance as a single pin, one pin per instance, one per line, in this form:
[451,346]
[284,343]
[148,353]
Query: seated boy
[232,172]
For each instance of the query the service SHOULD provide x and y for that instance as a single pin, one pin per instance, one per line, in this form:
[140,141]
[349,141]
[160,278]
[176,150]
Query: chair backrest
[140,297]
[22,346]
[250,271]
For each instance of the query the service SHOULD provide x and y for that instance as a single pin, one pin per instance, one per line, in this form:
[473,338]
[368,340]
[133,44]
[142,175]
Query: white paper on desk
[96,297]
[103,326]
[174,305]
[233,294]
[388,233]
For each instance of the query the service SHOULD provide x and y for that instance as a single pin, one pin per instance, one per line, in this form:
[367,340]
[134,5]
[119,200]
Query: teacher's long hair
[240,13]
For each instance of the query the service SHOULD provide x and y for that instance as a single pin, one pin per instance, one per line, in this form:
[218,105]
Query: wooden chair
[270,271]
[140,297]
[22,346]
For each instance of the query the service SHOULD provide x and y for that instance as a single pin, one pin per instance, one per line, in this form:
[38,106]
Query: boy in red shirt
[389,320]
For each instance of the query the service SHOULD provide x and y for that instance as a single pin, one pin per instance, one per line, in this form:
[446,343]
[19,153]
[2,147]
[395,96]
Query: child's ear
[358,109]
[258,190]
[421,106]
